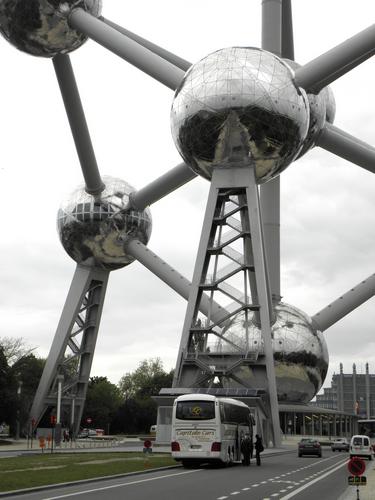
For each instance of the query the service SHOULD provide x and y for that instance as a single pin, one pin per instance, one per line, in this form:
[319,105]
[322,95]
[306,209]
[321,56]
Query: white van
[360,446]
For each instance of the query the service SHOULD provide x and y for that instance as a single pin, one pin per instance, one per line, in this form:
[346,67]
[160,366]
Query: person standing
[258,448]
[246,445]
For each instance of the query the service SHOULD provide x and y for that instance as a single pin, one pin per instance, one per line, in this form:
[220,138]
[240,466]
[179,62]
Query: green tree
[8,391]
[15,348]
[102,402]
[26,371]
[138,411]
[146,380]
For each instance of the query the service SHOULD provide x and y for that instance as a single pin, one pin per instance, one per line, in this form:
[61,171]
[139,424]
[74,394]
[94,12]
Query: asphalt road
[279,477]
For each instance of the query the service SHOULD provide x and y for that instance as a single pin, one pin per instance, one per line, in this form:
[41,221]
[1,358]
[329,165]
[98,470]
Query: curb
[5,494]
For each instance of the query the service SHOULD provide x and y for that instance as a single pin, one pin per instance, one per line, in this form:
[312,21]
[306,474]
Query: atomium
[239,105]
[299,350]
[40,27]
[241,115]
[94,229]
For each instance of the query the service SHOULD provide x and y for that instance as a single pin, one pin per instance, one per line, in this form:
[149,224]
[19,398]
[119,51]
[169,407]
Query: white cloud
[328,218]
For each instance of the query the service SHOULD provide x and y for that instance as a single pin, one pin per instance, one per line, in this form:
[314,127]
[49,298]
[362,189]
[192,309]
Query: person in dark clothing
[246,449]
[258,448]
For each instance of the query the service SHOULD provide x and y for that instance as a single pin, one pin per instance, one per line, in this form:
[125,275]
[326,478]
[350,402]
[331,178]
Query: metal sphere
[237,106]
[93,229]
[330,104]
[40,27]
[300,352]
[322,110]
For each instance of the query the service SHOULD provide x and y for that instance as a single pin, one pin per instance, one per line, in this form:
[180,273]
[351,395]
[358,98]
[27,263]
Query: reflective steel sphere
[238,106]
[300,353]
[40,27]
[93,229]
[330,104]
[322,109]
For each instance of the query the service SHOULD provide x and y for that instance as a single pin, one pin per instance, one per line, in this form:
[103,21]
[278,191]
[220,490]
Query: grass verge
[38,470]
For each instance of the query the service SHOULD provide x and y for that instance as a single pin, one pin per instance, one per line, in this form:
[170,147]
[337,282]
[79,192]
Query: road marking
[235,493]
[274,495]
[298,490]
[245,489]
[255,485]
[122,484]
[222,498]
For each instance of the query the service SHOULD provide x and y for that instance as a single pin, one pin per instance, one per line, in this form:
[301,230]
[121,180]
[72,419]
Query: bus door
[240,434]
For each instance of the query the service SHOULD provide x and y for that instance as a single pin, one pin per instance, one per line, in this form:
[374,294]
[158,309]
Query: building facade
[350,393]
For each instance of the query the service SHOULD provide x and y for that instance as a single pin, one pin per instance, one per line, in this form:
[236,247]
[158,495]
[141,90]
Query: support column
[73,345]
[237,187]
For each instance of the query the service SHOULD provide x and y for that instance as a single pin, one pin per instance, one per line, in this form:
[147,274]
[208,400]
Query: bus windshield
[195,410]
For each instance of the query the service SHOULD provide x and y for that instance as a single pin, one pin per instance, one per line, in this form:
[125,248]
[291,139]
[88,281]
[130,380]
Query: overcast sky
[327,207]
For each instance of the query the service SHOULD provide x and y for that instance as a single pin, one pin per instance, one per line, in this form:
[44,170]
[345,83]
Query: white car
[340,444]
[360,446]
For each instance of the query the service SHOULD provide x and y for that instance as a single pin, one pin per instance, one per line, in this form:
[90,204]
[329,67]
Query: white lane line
[298,490]
[221,498]
[255,485]
[235,493]
[245,489]
[274,495]
[282,491]
[122,484]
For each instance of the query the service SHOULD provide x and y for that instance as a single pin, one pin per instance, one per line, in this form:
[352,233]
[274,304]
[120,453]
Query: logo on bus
[198,435]
[196,411]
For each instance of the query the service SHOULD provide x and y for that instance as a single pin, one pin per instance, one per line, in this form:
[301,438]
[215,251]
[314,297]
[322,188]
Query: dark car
[340,444]
[309,446]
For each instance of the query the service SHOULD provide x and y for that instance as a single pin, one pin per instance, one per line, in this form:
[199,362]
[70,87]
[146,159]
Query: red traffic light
[53,419]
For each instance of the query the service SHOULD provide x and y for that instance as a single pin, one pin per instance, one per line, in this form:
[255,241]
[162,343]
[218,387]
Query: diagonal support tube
[347,146]
[170,276]
[328,67]
[165,54]
[345,304]
[126,48]
[160,187]
[78,125]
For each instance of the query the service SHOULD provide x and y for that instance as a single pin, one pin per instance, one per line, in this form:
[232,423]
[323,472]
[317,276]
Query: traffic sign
[357,480]
[356,466]
[147,443]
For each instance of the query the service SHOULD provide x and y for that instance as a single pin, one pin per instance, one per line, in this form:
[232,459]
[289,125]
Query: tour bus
[206,428]
[366,427]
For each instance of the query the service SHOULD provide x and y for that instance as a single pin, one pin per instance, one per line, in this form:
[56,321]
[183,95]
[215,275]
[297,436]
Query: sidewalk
[365,492]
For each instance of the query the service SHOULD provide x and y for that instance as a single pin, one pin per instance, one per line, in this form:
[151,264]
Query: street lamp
[19,391]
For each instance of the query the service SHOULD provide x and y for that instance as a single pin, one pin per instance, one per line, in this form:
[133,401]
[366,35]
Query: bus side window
[222,413]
